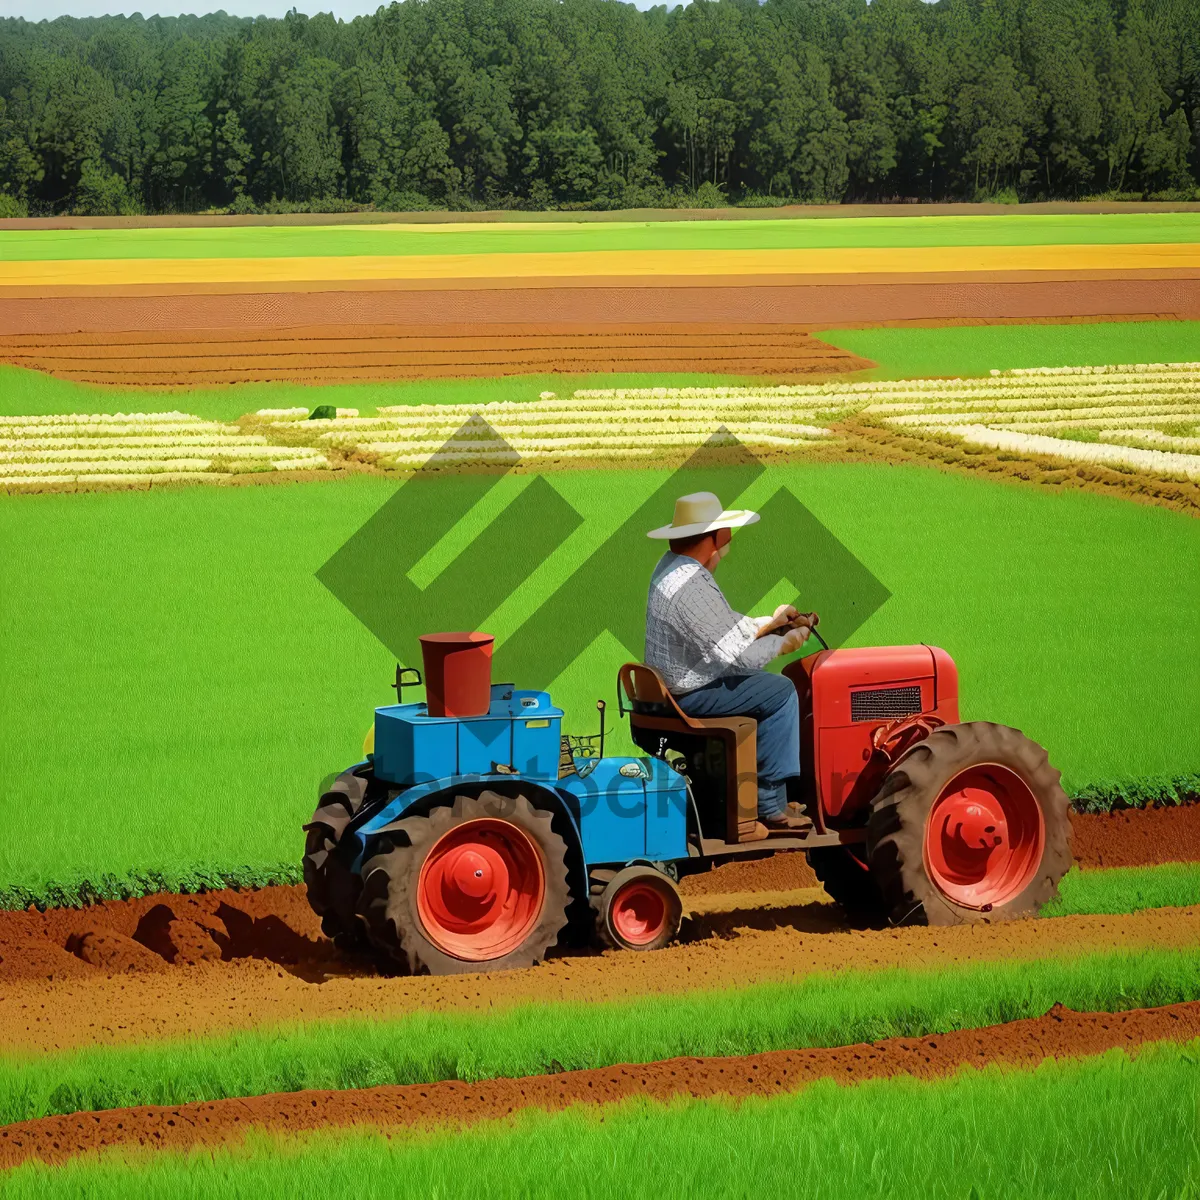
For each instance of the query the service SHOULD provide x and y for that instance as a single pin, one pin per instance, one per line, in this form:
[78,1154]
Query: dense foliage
[592,103]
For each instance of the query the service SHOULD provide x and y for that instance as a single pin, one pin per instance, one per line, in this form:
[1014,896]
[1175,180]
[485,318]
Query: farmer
[712,658]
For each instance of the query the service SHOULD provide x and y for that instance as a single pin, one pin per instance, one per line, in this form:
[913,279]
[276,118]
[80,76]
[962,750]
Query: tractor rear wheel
[476,885]
[639,909]
[971,825]
[332,887]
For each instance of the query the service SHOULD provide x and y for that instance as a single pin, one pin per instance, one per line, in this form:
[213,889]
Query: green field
[179,682]
[977,349]
[532,1039]
[1103,1126]
[767,233]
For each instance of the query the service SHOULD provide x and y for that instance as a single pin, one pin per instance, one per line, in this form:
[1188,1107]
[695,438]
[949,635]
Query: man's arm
[735,640]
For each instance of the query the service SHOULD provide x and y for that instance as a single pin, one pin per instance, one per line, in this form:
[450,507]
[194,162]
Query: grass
[1101,1126]
[967,350]
[1139,793]
[820,1010]
[768,233]
[179,682]
[1126,889]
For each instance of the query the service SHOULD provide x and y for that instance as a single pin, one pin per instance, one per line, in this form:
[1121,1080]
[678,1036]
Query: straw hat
[701,512]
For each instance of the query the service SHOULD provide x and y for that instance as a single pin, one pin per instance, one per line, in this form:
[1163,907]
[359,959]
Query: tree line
[467,104]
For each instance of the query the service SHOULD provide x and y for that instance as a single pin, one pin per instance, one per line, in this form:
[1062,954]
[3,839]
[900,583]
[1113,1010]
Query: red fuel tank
[458,673]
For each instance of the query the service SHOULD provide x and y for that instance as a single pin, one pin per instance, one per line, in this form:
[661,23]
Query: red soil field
[836,302]
[1061,1033]
[337,353]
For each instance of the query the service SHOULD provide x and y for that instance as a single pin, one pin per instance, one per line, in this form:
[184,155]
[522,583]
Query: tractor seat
[653,708]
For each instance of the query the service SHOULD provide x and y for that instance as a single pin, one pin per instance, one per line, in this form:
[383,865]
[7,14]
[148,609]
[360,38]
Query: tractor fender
[419,799]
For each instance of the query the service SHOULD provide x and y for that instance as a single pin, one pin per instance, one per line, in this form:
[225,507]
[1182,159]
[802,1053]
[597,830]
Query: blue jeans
[771,701]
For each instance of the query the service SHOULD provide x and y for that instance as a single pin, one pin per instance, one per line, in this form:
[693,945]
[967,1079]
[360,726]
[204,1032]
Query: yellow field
[118,273]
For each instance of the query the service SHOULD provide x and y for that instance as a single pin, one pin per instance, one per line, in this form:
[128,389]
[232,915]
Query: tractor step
[715,848]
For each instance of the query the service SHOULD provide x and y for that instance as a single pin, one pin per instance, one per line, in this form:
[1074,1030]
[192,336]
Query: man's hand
[782,618]
[794,639]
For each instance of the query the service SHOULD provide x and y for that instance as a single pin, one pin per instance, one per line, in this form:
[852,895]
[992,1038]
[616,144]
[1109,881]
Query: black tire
[848,882]
[388,904]
[638,876]
[901,810]
[333,889]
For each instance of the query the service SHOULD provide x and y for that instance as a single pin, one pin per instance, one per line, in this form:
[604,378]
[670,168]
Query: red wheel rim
[638,913]
[984,837]
[481,890]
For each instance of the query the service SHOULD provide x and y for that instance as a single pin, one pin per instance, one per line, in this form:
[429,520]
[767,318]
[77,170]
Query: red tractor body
[855,708]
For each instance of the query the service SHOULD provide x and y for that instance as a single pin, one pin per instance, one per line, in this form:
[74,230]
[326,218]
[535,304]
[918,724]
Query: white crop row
[1110,420]
[596,441]
[87,476]
[148,453]
[1115,369]
[102,419]
[680,431]
[89,432]
[1100,452]
[134,467]
[167,439]
[1152,437]
[1051,376]
[1105,413]
[1039,398]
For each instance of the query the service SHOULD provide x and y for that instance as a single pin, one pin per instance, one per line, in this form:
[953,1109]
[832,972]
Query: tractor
[474,836]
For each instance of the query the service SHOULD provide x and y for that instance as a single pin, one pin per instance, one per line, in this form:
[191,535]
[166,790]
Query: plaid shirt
[693,637]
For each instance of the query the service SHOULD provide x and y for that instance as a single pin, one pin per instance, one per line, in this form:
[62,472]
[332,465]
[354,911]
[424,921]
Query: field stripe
[1060,1033]
[599,264]
[360,1050]
[1012,1132]
[752,232]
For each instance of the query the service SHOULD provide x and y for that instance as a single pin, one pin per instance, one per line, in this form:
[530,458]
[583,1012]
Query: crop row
[133,448]
[1158,461]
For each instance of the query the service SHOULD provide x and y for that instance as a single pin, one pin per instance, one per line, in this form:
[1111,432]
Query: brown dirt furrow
[1061,1033]
[832,303]
[419,286]
[398,336]
[763,368]
[1137,837]
[308,358]
[219,984]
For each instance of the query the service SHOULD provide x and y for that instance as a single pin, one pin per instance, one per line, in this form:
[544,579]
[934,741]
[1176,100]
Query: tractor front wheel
[972,825]
[640,909]
[476,885]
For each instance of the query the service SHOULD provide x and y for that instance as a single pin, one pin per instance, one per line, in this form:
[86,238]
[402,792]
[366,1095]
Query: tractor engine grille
[881,704]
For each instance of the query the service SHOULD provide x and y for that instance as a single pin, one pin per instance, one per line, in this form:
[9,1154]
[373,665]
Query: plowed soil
[339,353]
[309,981]
[826,304]
[171,966]
[1137,837]
[1061,1033]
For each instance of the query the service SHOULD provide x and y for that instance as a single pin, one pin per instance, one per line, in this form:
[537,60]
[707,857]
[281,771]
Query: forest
[594,104]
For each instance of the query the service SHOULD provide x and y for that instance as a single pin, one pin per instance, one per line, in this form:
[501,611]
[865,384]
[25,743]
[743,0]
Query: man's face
[723,541]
